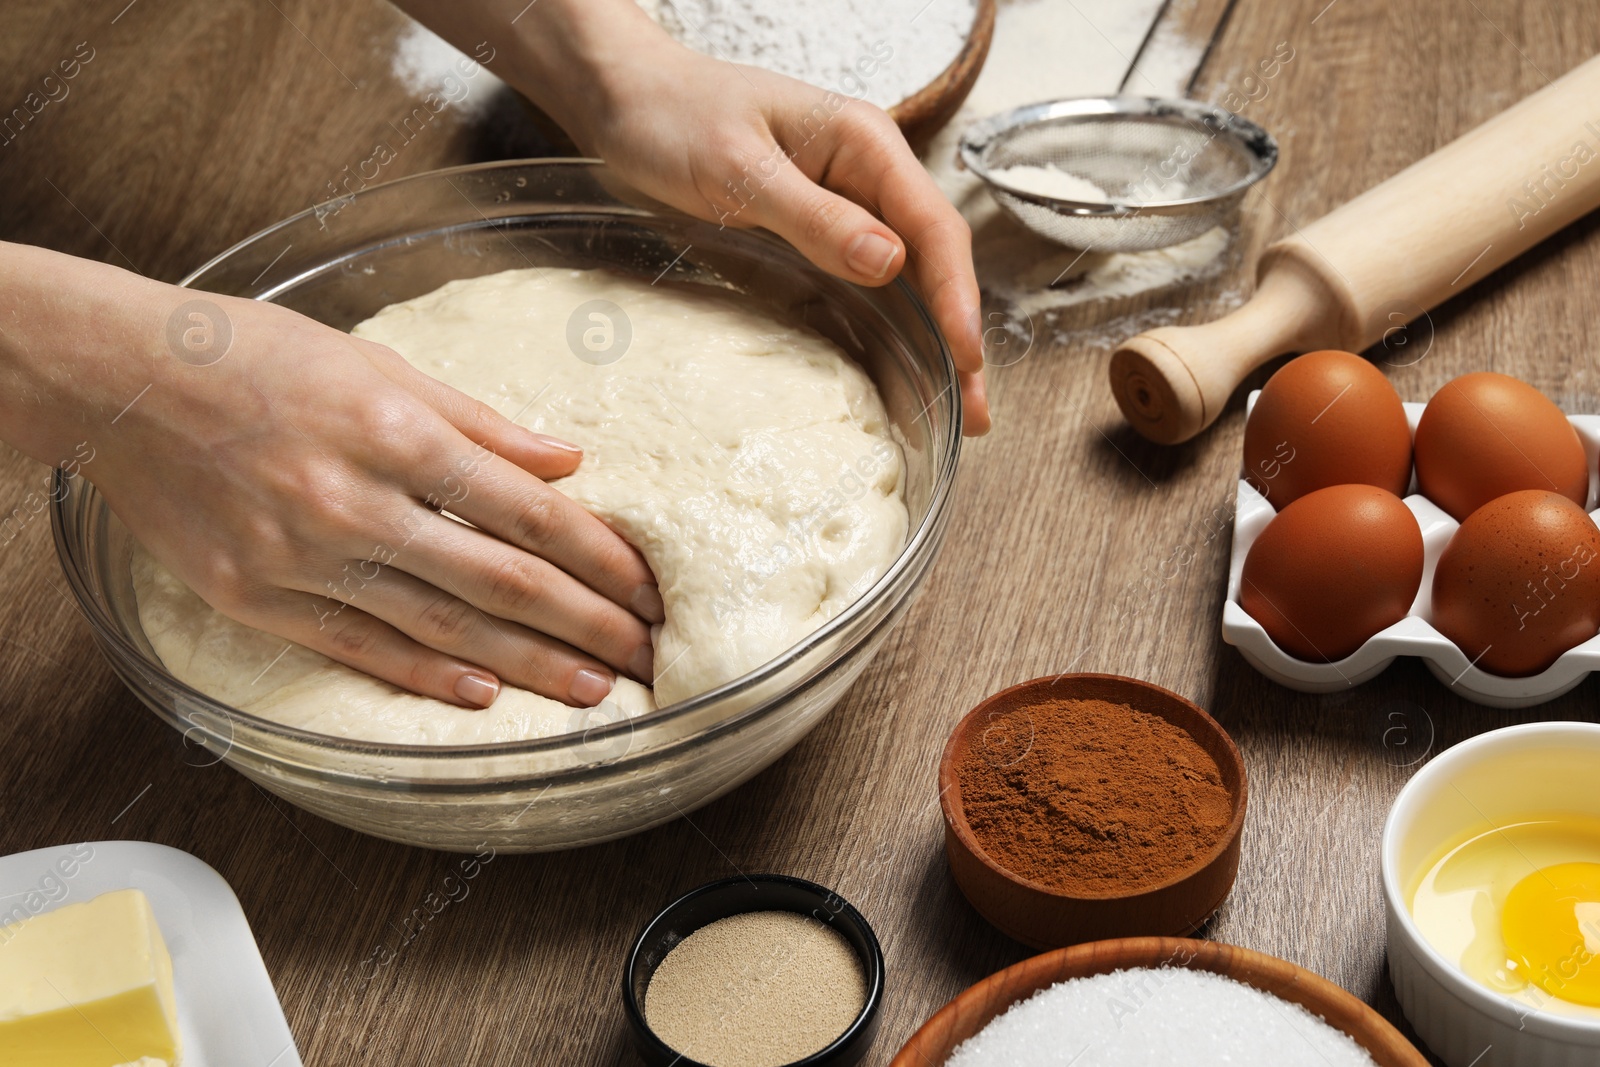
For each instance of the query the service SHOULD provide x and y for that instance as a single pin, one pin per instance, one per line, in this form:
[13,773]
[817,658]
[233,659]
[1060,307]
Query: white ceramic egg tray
[1413,635]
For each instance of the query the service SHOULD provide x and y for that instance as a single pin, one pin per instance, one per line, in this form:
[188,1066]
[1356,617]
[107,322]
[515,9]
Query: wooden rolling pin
[1383,259]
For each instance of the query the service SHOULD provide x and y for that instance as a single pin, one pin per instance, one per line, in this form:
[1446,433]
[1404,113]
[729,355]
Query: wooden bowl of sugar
[920,116]
[925,112]
[1085,807]
[1149,998]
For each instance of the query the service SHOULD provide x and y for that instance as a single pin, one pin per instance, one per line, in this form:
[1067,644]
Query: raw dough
[750,461]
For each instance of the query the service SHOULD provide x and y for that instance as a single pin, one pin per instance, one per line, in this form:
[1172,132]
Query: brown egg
[1519,583]
[1332,569]
[1326,418]
[1485,435]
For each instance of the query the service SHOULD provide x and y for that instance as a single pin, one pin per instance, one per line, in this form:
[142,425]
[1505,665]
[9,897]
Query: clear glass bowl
[342,261]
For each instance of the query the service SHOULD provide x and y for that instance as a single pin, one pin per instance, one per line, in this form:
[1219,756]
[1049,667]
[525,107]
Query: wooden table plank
[197,124]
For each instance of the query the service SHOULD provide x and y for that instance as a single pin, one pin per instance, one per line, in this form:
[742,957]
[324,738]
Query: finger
[439,620]
[501,499]
[939,244]
[837,235]
[975,418]
[541,455]
[507,583]
[368,644]
[873,165]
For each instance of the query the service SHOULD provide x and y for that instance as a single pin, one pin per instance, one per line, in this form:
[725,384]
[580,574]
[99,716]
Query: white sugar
[1155,1017]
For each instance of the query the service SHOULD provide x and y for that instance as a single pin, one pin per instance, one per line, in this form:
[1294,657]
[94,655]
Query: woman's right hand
[298,484]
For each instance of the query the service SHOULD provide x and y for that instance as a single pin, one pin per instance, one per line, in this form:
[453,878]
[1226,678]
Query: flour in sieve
[1047,50]
[1051,181]
[882,51]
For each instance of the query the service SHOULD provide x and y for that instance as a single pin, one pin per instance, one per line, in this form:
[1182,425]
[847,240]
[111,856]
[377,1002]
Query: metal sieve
[1170,169]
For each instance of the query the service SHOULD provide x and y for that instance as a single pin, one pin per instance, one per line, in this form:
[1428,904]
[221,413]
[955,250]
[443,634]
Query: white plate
[228,1013]
[1413,635]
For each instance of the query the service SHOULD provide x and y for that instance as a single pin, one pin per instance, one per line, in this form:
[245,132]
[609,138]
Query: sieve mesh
[1172,169]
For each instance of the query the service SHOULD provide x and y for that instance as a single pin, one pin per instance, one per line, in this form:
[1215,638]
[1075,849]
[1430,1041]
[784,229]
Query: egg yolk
[1551,926]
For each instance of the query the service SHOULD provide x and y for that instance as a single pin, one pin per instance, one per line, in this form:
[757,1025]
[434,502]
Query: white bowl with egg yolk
[1496,780]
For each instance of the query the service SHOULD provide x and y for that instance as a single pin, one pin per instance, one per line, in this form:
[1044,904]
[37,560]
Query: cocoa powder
[1091,797]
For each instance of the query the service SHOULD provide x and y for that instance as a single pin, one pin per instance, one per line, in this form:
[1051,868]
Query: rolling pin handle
[1173,382]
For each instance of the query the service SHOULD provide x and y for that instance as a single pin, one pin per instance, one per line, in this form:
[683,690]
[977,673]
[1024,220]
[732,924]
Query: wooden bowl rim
[927,100]
[1028,976]
[956,818]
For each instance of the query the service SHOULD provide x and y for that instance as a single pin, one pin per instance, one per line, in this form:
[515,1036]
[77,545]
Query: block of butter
[87,985]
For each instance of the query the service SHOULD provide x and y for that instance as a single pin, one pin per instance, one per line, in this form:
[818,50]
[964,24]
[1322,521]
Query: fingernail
[477,690]
[646,603]
[556,443]
[590,688]
[643,664]
[980,398]
[871,255]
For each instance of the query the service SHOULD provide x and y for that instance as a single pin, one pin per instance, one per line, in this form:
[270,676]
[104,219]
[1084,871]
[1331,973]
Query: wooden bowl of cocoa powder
[1084,807]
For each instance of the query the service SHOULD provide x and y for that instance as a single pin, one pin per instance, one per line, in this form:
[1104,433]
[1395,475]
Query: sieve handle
[1382,259]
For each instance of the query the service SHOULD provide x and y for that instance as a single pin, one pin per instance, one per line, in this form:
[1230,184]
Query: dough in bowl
[749,460]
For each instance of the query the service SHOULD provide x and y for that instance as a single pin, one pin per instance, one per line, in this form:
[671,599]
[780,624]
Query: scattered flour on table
[1105,335]
[882,51]
[1156,1017]
[1105,276]
[750,461]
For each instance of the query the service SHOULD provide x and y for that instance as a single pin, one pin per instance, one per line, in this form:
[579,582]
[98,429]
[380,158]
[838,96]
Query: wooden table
[196,124]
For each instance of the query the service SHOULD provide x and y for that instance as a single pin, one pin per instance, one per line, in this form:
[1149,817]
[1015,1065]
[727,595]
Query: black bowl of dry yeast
[762,970]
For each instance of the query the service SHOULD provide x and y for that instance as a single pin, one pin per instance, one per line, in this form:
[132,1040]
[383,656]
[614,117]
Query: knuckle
[538,521]
[514,585]
[225,583]
[420,676]
[713,183]
[730,170]
[321,494]
[267,539]
[448,618]
[725,158]
[820,217]
[482,419]
[380,417]
[605,634]
[872,122]
[962,230]
[379,352]
[354,640]
[948,226]
[393,424]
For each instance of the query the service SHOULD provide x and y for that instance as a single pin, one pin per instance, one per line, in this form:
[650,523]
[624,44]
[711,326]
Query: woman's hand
[740,146]
[297,483]
[745,147]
